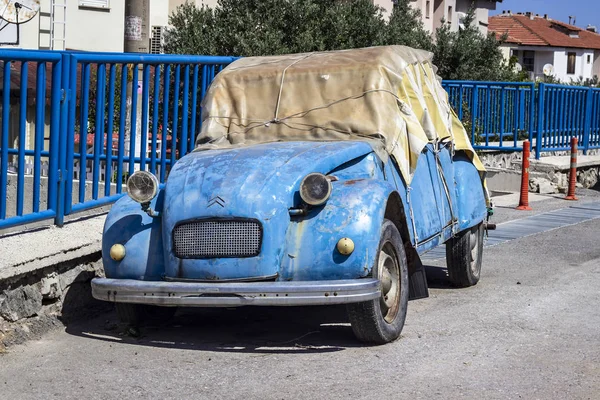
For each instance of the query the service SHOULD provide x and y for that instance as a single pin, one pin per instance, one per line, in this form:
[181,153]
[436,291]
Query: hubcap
[389,275]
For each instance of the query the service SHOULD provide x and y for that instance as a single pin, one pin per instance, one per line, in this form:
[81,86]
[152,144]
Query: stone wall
[502,159]
[33,303]
[544,177]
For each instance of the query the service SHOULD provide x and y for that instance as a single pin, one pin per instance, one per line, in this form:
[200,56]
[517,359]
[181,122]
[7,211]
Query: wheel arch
[396,212]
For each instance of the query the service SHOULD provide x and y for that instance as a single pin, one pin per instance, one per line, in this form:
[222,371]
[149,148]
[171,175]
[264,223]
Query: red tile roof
[540,31]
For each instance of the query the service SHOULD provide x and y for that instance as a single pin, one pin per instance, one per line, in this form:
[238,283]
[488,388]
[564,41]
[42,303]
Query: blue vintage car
[273,220]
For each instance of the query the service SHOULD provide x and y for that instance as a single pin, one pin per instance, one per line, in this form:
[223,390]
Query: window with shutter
[528,60]
[571,59]
[94,3]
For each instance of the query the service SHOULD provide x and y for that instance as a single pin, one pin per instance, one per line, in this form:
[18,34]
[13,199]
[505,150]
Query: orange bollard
[524,200]
[573,173]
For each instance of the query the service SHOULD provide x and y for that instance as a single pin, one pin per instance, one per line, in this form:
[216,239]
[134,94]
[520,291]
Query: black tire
[464,255]
[138,314]
[380,321]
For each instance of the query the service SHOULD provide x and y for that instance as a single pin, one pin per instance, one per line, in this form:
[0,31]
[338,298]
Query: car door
[442,175]
[421,202]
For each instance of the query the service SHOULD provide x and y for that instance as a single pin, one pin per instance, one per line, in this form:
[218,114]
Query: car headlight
[142,186]
[315,189]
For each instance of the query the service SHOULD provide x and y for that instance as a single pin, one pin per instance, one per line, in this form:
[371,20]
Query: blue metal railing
[499,115]
[74,125]
[66,145]
[171,85]
[25,80]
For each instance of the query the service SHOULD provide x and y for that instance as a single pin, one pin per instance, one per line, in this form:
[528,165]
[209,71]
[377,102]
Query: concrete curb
[45,277]
[25,252]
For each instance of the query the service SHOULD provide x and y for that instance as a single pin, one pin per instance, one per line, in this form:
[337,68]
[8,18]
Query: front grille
[217,238]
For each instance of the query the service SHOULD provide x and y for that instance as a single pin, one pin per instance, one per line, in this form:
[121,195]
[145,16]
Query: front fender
[470,195]
[141,235]
[355,210]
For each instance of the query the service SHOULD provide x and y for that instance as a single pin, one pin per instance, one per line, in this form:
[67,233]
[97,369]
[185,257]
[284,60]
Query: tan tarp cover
[389,96]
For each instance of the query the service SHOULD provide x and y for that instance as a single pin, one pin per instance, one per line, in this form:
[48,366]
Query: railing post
[474,109]
[587,124]
[70,131]
[4,122]
[531,111]
[540,121]
[54,177]
[62,140]
[521,120]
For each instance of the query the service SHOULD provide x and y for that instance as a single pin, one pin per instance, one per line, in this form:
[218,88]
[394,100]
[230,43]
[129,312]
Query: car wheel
[464,255]
[137,314]
[381,320]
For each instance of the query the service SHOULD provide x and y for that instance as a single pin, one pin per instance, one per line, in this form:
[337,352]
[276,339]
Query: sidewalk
[24,252]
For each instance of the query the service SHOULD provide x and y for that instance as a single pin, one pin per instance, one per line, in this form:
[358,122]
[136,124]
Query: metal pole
[573,173]
[524,200]
[137,34]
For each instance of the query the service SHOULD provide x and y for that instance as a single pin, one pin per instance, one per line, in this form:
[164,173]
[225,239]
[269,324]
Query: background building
[537,41]
[87,25]
[450,11]
[93,25]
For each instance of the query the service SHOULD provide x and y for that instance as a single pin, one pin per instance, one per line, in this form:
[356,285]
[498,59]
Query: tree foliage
[467,54]
[405,27]
[267,27]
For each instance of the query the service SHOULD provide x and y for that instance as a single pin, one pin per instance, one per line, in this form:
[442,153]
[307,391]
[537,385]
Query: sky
[586,11]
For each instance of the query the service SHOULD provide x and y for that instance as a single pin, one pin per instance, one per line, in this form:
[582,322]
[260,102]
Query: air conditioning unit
[157,40]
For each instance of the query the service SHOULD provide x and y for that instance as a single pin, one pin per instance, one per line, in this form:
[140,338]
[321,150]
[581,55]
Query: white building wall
[482,11]
[560,65]
[426,7]
[87,28]
[159,13]
[438,10]
[506,52]
[596,66]
[582,68]
[542,58]
[558,57]
[387,6]
[450,16]
[481,19]
[92,29]
[587,61]
[28,34]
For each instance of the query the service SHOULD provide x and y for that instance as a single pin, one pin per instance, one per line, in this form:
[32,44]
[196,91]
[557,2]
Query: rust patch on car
[352,181]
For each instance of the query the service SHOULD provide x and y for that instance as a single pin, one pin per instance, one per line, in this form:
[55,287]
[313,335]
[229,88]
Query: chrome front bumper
[230,294]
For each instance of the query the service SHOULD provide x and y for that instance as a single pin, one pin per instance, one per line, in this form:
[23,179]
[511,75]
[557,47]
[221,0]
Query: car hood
[248,179]
[259,181]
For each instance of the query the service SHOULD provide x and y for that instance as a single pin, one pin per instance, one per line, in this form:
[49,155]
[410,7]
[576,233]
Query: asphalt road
[530,329]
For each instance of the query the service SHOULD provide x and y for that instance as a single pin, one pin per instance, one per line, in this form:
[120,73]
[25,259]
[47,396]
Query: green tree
[467,54]
[263,27]
[589,82]
[195,31]
[405,27]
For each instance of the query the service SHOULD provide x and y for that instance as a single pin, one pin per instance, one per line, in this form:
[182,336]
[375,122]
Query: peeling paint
[261,182]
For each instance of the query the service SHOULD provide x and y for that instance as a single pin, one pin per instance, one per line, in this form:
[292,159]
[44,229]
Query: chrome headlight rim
[315,189]
[142,187]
